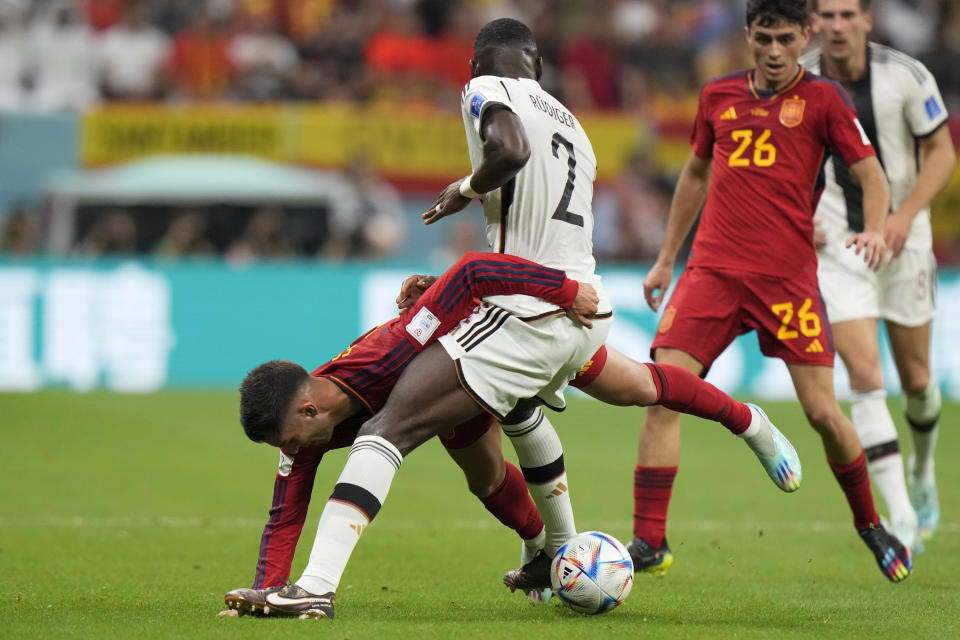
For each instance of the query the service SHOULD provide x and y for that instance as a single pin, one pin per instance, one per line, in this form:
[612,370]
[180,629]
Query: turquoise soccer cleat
[923,497]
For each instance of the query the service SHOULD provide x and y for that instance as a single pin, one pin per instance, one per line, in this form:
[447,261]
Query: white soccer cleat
[908,532]
[923,497]
[776,454]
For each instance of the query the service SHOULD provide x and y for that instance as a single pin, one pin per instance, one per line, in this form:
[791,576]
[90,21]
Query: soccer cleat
[250,601]
[648,558]
[293,600]
[533,576]
[535,596]
[894,559]
[923,497]
[783,466]
[908,533]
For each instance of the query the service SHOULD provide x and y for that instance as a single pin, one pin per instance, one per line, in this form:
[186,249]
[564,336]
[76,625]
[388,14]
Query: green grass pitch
[131,516]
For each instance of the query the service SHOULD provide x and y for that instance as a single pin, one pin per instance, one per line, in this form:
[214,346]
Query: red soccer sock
[855,482]
[652,487]
[682,391]
[511,504]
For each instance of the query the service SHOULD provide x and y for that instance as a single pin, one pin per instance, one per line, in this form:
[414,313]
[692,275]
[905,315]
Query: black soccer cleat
[251,602]
[533,576]
[294,601]
[648,558]
[894,559]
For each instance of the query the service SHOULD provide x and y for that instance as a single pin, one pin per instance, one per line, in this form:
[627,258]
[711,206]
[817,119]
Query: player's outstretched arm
[684,208]
[937,161]
[876,205]
[505,151]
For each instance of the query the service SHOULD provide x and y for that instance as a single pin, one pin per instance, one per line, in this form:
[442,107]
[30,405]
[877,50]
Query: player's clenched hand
[872,245]
[656,283]
[450,202]
[896,232]
[584,305]
[412,288]
[230,613]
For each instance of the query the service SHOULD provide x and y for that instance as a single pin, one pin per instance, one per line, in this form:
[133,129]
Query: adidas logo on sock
[358,528]
[558,491]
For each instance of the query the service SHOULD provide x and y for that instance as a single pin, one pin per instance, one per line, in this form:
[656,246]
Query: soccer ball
[592,573]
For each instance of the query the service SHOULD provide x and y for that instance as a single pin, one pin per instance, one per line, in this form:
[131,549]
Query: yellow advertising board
[404,142]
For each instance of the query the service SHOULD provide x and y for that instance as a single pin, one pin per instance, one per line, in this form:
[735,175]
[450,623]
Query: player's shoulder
[737,79]
[824,87]
[887,62]
[810,59]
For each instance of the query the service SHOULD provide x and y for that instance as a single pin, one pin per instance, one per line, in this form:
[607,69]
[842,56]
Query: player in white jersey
[903,114]
[510,356]
[533,169]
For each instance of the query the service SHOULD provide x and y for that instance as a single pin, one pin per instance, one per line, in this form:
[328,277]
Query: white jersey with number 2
[544,213]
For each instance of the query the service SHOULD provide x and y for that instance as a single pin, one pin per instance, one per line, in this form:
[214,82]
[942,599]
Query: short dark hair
[864,5]
[504,32]
[771,12]
[265,397]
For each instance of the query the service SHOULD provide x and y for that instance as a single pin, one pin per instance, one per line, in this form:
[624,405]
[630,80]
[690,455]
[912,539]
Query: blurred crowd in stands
[602,54]
[625,55]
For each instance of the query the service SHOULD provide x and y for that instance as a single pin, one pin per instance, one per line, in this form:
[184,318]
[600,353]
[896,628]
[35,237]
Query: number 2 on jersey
[764,153]
[561,212]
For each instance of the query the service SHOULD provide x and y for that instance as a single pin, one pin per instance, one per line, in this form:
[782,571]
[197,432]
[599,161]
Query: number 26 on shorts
[809,320]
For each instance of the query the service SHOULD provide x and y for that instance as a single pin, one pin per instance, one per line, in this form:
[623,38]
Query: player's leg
[814,385]
[498,484]
[922,404]
[856,342]
[426,399]
[622,381]
[658,458]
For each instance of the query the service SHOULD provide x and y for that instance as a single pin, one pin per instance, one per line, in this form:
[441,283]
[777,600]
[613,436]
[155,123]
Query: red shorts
[368,370]
[592,370]
[711,307]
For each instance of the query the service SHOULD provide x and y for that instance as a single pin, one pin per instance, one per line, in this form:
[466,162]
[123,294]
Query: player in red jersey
[356,375]
[759,142]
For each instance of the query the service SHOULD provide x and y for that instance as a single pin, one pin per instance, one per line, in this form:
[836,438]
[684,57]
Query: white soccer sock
[878,435]
[356,499]
[541,459]
[923,411]
[531,546]
[758,435]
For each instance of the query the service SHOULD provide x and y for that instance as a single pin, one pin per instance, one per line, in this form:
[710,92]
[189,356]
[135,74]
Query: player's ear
[538,67]
[868,19]
[473,68]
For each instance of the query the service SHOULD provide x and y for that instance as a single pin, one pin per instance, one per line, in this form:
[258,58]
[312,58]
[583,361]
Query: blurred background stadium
[191,187]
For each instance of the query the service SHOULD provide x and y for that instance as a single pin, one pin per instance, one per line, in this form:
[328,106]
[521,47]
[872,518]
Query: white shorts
[501,359]
[901,291]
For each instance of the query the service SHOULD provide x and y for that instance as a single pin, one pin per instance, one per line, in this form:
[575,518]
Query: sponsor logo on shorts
[791,111]
[667,321]
[814,347]
[423,325]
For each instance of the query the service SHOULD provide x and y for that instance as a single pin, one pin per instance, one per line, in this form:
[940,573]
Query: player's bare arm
[505,151]
[937,161]
[876,204]
[687,199]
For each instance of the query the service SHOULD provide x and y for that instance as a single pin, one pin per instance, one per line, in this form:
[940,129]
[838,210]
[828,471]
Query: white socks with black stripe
[356,499]
[923,412]
[541,459]
[878,435]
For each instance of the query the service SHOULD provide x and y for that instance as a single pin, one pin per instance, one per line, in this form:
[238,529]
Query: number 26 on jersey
[758,151]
